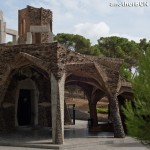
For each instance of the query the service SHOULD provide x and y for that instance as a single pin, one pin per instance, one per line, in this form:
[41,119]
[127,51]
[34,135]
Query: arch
[92,89]
[88,84]
[109,86]
[125,91]
[27,77]
[28,84]
[87,80]
[95,72]
[21,60]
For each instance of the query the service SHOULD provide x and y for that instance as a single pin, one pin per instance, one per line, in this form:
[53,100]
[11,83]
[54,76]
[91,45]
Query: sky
[90,18]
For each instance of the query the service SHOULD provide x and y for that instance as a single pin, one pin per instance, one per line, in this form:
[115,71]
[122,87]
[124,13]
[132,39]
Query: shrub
[138,117]
[103,110]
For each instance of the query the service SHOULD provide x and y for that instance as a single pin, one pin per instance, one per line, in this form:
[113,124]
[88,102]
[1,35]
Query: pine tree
[138,116]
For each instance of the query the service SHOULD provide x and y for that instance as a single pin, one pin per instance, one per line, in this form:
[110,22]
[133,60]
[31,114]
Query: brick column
[93,114]
[57,100]
[116,119]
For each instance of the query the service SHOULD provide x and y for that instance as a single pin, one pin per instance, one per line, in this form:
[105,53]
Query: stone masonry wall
[23,16]
[8,107]
[50,58]
[44,103]
[34,16]
[46,53]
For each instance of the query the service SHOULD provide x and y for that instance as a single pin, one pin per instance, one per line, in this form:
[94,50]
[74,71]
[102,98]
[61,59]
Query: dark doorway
[24,108]
[37,38]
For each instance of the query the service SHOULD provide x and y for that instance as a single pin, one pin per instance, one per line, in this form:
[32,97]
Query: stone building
[35,26]
[33,79]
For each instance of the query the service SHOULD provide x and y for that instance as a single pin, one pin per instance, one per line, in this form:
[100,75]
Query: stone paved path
[77,137]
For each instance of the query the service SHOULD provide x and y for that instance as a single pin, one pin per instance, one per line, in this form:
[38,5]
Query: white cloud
[95,31]
[129,37]
[60,13]
[92,31]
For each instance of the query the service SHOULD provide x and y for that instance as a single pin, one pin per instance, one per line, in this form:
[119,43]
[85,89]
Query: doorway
[24,108]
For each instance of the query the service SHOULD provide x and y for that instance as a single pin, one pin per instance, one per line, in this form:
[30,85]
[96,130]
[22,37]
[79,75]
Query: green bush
[103,110]
[138,117]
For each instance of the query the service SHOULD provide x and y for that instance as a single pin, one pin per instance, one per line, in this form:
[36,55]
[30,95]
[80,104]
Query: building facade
[33,76]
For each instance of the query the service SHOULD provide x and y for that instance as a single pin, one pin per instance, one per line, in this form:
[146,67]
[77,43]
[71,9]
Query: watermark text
[129,4]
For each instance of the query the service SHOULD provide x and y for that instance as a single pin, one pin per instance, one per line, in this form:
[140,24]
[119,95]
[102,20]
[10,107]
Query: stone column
[2,29]
[67,117]
[29,38]
[93,114]
[57,100]
[116,119]
[93,98]
[15,38]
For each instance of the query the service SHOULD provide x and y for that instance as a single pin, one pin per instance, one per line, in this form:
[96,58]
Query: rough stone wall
[11,92]
[111,68]
[44,37]
[7,59]
[57,58]
[46,17]
[44,52]
[22,39]
[105,70]
[7,113]
[44,116]
[44,103]
[23,15]
[7,116]
[34,16]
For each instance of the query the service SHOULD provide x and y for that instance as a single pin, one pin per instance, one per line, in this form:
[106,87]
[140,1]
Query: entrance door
[24,108]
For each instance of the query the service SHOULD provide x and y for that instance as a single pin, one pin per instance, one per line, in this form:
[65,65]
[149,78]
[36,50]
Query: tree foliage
[76,42]
[118,47]
[138,117]
[9,43]
[124,71]
[144,44]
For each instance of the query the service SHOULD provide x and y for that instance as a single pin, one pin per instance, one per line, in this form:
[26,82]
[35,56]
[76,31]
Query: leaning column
[57,107]
[116,119]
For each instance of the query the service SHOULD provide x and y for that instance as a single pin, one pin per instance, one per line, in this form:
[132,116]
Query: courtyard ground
[77,137]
